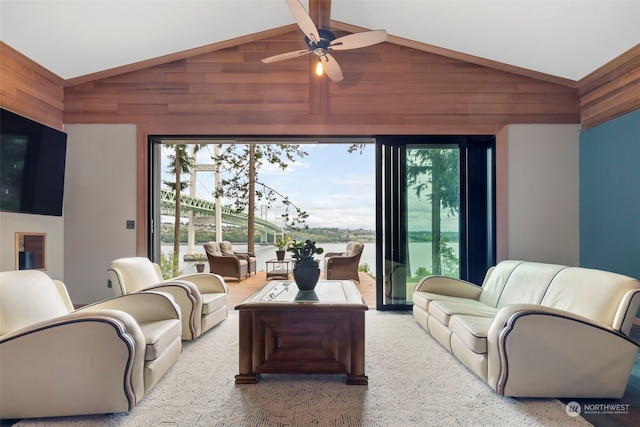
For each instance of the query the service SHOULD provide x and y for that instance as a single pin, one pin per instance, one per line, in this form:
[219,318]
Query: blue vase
[306,275]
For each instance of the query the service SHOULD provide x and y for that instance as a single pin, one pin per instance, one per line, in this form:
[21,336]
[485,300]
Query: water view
[419,255]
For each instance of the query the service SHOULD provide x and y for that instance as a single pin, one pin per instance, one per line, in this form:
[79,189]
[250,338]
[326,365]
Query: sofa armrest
[238,255]
[340,260]
[81,363]
[245,254]
[231,260]
[332,254]
[144,306]
[207,283]
[627,310]
[444,285]
[536,351]
[189,299]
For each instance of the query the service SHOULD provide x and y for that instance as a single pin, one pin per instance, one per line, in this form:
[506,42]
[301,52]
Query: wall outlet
[109,284]
[131,224]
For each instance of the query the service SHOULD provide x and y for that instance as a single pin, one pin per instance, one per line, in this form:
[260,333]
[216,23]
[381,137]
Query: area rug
[413,381]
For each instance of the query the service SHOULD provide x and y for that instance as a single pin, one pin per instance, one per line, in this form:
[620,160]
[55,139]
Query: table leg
[357,376]
[246,374]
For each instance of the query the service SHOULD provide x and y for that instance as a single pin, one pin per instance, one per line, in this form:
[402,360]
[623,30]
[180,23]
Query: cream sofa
[101,358]
[536,330]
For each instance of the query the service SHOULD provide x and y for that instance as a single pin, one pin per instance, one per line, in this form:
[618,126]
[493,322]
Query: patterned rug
[413,381]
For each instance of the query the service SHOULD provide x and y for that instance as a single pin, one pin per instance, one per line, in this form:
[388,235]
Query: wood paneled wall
[611,91]
[30,90]
[387,89]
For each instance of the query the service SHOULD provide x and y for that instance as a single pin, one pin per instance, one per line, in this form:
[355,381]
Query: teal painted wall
[610,196]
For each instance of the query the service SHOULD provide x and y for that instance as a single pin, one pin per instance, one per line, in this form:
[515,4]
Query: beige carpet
[413,381]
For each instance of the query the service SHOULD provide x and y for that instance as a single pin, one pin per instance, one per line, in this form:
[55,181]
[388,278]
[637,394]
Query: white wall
[100,196]
[53,226]
[542,193]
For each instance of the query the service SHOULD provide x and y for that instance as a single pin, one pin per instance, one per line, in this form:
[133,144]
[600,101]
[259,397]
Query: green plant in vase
[282,242]
[199,260]
[306,269]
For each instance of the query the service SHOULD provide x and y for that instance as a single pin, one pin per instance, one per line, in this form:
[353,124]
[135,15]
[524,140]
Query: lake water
[419,255]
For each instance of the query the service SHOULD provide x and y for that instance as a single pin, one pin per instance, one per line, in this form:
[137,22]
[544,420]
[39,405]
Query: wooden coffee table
[287,331]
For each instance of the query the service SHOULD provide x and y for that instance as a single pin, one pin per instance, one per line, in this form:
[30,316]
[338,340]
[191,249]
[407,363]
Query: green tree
[239,168]
[180,162]
[168,265]
[434,173]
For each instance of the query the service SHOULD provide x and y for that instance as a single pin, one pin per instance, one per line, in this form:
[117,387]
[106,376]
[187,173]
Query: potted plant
[199,260]
[282,242]
[306,270]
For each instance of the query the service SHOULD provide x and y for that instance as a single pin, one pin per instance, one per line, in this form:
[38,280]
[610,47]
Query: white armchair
[202,297]
[101,358]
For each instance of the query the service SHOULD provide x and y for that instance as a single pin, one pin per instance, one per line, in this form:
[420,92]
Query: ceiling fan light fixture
[320,41]
[319,70]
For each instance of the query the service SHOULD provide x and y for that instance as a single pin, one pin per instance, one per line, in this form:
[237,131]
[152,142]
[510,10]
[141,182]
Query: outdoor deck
[239,291]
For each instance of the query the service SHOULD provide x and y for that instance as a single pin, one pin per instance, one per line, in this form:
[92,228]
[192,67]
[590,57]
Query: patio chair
[227,249]
[344,265]
[227,266]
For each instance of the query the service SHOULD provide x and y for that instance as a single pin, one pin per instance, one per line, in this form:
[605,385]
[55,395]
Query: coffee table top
[286,292]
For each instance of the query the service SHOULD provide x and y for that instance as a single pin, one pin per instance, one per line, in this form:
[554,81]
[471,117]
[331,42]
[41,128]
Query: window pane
[433,205]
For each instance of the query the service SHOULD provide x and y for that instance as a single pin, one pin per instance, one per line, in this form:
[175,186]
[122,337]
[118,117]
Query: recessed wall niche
[31,251]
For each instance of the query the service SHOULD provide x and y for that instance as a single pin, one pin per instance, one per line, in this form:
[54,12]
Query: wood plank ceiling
[388,89]
[399,87]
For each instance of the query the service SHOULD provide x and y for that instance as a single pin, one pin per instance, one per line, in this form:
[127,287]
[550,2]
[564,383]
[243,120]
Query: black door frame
[476,214]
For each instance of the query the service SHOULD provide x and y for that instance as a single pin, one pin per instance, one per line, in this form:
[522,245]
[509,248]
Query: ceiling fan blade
[303,20]
[332,68]
[286,55]
[358,40]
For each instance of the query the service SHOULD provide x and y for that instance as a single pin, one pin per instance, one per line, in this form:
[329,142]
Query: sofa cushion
[423,299]
[594,294]
[354,249]
[527,283]
[495,283]
[159,336]
[29,297]
[213,302]
[471,330]
[443,310]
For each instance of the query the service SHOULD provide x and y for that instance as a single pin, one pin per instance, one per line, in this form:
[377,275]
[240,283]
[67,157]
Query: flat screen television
[32,166]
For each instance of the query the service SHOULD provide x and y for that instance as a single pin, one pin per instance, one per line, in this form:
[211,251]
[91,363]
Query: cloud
[351,180]
[358,218]
[269,169]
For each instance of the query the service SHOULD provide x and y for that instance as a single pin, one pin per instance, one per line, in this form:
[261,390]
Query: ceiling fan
[321,41]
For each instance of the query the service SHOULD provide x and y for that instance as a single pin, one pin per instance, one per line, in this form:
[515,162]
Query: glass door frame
[476,213]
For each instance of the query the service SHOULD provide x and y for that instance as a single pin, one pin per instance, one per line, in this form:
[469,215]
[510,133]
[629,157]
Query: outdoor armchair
[202,297]
[225,265]
[101,358]
[344,265]
[227,249]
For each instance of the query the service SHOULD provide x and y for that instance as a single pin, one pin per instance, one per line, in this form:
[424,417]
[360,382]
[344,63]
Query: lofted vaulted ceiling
[564,38]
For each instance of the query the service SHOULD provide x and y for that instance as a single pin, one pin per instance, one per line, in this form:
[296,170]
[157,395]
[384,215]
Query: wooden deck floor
[239,291]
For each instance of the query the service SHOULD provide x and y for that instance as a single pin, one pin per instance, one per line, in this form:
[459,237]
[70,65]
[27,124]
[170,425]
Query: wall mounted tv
[32,162]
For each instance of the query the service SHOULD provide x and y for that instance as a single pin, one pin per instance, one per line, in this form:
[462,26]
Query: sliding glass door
[435,212]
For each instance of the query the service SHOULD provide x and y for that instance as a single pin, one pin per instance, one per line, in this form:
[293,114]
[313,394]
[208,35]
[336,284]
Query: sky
[335,188]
